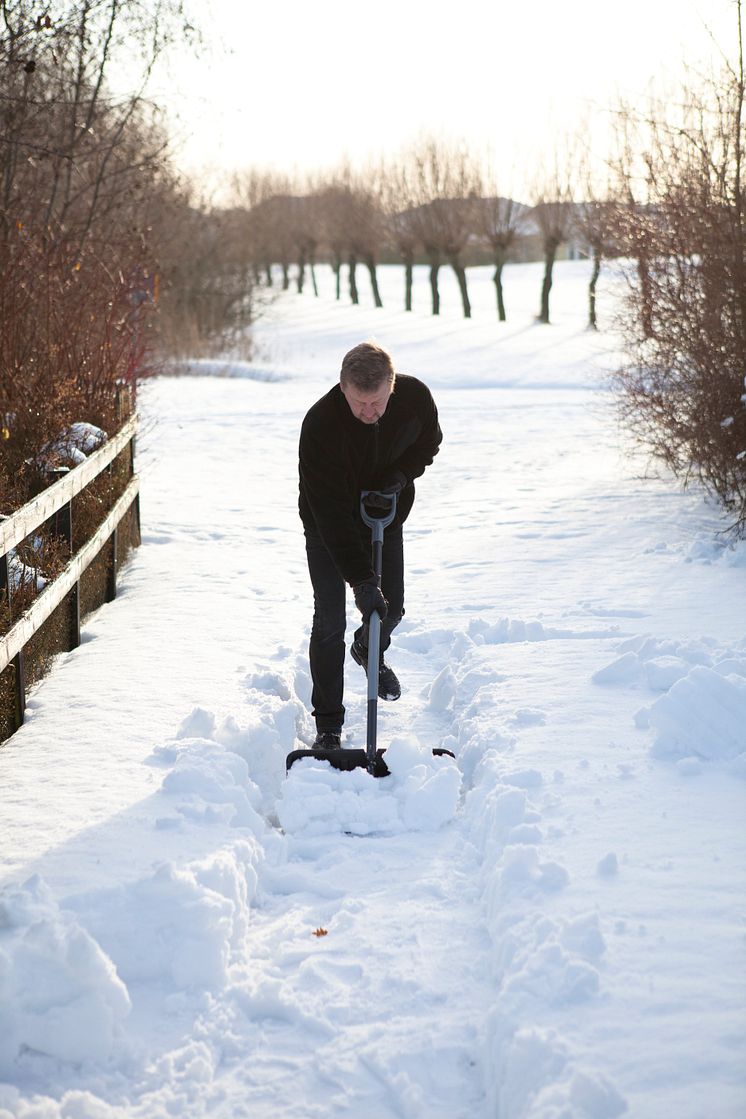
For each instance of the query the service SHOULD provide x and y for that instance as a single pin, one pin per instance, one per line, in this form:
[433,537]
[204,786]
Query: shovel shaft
[374,653]
[376,525]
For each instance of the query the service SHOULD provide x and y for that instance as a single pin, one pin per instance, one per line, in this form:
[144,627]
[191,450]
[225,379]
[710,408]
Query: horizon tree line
[434,202]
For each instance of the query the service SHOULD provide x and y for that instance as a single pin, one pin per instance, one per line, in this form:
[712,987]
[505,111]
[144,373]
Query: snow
[549,926]
[73,445]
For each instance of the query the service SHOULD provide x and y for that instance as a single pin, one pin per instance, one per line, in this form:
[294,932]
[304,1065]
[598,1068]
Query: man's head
[367,381]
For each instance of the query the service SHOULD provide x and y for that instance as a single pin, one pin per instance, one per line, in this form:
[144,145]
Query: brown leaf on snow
[321,932]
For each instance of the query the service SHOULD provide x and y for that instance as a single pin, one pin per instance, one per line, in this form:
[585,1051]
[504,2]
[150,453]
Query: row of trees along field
[437,202]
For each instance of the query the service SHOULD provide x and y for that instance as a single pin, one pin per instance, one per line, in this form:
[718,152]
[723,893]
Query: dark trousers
[327,647]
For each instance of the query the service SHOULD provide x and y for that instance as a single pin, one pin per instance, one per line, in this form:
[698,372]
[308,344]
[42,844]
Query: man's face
[367,406]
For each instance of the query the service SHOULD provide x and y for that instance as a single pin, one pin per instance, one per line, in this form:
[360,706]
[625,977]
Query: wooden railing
[57,500]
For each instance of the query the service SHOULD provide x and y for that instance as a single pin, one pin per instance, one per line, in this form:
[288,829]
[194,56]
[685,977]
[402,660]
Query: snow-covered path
[562,937]
[382,1028]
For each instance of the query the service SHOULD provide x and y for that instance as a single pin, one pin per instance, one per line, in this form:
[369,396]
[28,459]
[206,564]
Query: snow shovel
[371,758]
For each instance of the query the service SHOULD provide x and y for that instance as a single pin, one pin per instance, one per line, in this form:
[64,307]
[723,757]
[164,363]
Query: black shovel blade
[347,760]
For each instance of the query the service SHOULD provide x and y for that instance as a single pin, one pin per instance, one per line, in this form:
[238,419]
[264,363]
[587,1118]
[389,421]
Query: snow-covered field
[555,927]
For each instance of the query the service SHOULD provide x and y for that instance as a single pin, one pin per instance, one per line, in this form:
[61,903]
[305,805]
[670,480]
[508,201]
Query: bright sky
[300,84]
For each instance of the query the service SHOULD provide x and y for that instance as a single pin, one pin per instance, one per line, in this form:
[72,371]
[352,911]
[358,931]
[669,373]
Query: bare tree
[206,277]
[635,220]
[66,141]
[309,232]
[94,226]
[398,203]
[446,184]
[367,233]
[596,223]
[272,227]
[354,225]
[251,190]
[553,215]
[331,198]
[499,220]
[338,208]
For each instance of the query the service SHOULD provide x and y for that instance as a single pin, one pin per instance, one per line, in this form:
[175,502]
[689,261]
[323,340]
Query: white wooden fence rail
[35,513]
[17,527]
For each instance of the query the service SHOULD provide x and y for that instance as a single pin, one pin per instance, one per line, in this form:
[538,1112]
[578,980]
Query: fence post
[111,589]
[19,681]
[19,673]
[137,498]
[75,616]
[63,526]
[4,582]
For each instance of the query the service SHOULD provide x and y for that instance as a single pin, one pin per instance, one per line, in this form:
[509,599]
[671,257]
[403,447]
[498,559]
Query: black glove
[368,598]
[392,485]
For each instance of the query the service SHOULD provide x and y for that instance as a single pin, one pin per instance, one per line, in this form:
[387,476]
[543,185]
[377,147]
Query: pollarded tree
[446,183]
[635,219]
[251,189]
[400,221]
[596,223]
[305,227]
[499,220]
[336,207]
[596,216]
[553,214]
[367,234]
[354,226]
[271,221]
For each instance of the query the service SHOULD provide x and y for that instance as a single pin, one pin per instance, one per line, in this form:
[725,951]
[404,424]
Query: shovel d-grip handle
[376,525]
[388,514]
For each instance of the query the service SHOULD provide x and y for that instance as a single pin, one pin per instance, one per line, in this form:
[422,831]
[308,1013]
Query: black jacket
[340,456]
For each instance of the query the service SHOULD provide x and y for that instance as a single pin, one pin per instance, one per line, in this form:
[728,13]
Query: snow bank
[209,782]
[541,965]
[704,714]
[658,664]
[276,723]
[189,920]
[64,974]
[421,794]
[701,713]
[60,994]
[709,549]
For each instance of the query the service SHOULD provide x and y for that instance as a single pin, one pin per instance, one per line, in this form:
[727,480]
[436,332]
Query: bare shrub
[204,257]
[683,391]
[67,344]
[80,172]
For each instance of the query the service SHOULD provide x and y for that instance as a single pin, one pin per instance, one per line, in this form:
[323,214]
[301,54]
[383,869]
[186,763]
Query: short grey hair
[367,367]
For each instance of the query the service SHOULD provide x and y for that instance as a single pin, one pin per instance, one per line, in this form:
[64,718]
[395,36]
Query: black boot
[328,740]
[388,683]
